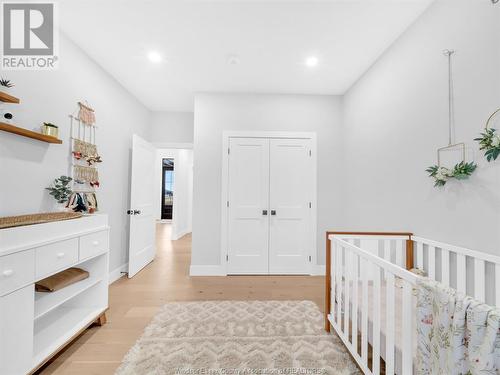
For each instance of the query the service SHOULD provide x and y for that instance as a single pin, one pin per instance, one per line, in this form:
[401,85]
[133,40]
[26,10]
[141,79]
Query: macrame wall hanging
[84,159]
[463,169]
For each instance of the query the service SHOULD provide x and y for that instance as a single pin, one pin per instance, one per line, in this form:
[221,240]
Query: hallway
[134,302]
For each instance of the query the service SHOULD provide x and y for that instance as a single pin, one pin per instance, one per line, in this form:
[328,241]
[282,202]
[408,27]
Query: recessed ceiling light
[233,60]
[312,61]
[154,57]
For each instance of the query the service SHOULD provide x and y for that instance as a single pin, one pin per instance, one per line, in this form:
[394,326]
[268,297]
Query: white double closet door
[270,206]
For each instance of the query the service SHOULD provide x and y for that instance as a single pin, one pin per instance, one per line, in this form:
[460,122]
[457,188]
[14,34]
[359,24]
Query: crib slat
[407,329]
[391,318]
[364,312]
[347,281]
[420,255]
[461,273]
[340,286]
[399,253]
[376,320]
[354,312]
[387,250]
[445,267]
[432,262]
[497,284]
[479,282]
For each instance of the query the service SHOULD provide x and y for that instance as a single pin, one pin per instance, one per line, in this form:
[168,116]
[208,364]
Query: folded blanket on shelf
[61,280]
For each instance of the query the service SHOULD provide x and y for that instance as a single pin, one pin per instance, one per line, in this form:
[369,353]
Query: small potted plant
[61,191]
[5,84]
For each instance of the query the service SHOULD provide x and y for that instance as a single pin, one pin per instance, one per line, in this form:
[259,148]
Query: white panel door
[142,203]
[290,196]
[248,226]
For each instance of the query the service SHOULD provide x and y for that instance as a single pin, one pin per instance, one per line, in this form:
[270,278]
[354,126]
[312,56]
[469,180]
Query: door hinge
[310,205]
[227,203]
[310,152]
[227,258]
[310,258]
[228,150]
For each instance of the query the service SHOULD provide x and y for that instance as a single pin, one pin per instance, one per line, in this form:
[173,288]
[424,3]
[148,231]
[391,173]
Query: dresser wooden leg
[101,320]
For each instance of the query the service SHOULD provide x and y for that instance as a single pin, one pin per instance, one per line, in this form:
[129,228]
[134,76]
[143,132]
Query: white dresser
[35,326]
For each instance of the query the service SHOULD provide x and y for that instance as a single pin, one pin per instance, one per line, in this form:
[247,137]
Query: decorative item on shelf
[462,170]
[6,115]
[61,280]
[61,190]
[50,129]
[490,140]
[5,84]
[86,114]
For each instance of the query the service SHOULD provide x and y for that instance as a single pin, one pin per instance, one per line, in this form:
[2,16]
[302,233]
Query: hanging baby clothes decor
[86,114]
[85,159]
[462,170]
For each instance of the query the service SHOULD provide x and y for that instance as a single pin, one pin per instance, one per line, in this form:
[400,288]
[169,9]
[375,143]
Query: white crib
[369,291]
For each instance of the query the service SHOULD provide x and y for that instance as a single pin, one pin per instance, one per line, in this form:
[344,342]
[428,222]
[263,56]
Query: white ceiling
[271,39]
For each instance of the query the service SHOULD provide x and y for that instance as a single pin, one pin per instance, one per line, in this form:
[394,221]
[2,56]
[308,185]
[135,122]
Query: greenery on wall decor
[60,189]
[460,171]
[490,140]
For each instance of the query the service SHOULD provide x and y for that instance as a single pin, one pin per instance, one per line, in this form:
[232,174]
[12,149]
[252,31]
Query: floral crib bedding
[455,333]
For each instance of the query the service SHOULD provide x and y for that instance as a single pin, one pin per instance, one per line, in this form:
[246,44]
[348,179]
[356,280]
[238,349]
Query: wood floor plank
[133,303]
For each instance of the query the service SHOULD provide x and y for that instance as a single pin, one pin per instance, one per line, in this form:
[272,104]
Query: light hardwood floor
[133,303]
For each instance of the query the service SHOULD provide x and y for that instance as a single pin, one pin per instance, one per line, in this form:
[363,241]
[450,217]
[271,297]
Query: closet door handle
[8,273]
[264,212]
[273,212]
[60,255]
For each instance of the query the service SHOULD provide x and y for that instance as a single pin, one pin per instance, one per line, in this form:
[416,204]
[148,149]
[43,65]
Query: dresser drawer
[16,270]
[55,257]
[93,244]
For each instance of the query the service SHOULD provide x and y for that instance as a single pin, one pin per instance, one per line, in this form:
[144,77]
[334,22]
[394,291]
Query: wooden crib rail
[328,274]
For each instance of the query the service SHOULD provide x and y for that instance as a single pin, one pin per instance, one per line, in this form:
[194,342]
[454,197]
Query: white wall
[395,118]
[183,189]
[28,166]
[172,127]
[215,113]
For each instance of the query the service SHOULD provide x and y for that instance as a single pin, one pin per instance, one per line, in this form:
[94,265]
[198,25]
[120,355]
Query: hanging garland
[490,140]
[442,175]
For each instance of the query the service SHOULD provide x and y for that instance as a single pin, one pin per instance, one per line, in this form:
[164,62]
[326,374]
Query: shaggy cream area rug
[238,337]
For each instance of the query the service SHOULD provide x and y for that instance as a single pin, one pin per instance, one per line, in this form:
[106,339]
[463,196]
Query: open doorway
[167,193]
[174,186]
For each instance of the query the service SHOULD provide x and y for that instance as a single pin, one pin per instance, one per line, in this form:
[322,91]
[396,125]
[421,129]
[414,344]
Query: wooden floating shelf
[28,133]
[6,98]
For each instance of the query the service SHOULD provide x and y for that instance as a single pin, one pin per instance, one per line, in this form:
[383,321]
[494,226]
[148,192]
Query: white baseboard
[179,235]
[117,273]
[318,270]
[216,270]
